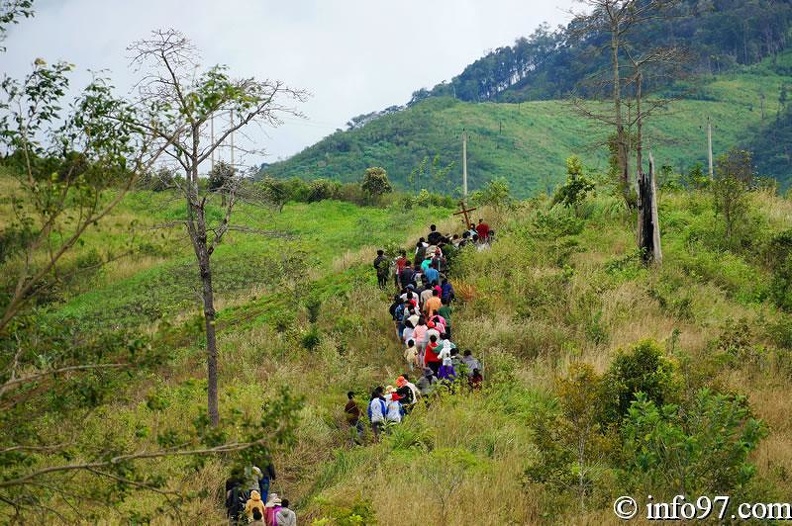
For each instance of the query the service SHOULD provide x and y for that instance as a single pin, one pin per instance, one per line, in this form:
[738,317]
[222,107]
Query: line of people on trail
[429,255]
[421,312]
[248,499]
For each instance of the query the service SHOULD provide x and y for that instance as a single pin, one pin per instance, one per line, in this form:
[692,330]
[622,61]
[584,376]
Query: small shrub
[644,369]
[552,226]
[412,433]
[283,321]
[313,306]
[577,187]
[357,513]
[311,339]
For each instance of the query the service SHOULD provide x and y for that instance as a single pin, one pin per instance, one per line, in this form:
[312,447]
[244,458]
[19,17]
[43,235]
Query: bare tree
[630,67]
[618,20]
[180,101]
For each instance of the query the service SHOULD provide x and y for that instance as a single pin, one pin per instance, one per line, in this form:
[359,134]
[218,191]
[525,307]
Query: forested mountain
[719,36]
[735,60]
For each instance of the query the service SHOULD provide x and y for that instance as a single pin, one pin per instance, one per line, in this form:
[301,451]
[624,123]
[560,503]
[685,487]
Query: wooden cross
[464,211]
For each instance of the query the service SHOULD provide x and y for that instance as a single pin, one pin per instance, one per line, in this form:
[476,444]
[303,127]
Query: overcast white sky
[354,56]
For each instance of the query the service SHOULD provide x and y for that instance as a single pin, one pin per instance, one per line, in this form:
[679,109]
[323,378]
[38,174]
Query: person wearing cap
[254,502]
[396,311]
[285,516]
[394,411]
[271,509]
[426,383]
[407,397]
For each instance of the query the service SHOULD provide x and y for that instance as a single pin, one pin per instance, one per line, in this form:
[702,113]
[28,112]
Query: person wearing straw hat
[272,507]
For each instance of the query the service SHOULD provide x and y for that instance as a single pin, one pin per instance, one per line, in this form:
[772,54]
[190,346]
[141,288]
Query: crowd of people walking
[421,312]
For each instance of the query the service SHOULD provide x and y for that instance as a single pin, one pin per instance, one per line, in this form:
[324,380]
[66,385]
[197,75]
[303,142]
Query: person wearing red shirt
[431,358]
[401,262]
[482,229]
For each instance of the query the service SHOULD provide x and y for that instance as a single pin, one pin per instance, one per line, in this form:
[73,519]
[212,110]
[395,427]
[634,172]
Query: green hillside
[527,143]
[299,309]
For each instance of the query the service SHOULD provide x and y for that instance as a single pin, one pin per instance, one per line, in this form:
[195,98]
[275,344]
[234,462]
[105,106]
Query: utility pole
[211,133]
[464,163]
[709,146]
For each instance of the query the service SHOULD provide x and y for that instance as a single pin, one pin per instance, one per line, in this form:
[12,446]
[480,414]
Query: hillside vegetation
[526,143]
[561,288]
[730,64]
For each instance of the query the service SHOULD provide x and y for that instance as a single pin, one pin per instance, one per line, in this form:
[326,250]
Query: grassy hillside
[300,308]
[527,143]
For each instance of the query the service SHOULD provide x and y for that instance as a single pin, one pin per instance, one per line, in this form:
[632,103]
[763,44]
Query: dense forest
[719,36]
[720,39]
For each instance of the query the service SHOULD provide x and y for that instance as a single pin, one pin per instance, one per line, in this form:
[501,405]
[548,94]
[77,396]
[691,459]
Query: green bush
[699,449]
[643,369]
[358,513]
[778,258]
[578,186]
[311,339]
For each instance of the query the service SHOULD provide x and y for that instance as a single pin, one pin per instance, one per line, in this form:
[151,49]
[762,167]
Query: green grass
[528,143]
[557,287]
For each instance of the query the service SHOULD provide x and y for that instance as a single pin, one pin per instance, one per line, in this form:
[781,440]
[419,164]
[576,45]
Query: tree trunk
[638,125]
[621,135]
[196,225]
[648,221]
[211,337]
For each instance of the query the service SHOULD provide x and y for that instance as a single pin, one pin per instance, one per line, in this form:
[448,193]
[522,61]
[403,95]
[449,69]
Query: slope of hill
[527,143]
[718,36]
[302,310]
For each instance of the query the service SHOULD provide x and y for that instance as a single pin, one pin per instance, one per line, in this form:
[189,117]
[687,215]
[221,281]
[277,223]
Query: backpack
[398,313]
[236,498]
[406,395]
